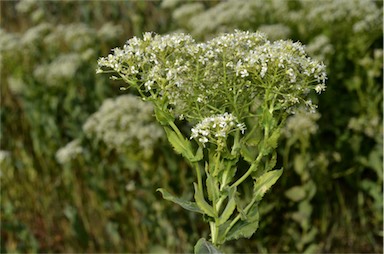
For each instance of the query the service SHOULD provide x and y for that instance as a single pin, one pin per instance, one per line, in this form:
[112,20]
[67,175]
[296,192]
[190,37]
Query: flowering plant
[236,91]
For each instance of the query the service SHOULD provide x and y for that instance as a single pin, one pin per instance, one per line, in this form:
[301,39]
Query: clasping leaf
[188,205]
[264,183]
[204,247]
[182,146]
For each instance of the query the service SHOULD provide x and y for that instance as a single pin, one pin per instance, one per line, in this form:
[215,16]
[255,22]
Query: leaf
[271,163]
[199,155]
[254,137]
[249,155]
[227,175]
[204,247]
[309,236]
[299,164]
[202,204]
[312,248]
[264,183]
[245,228]
[296,193]
[212,188]
[230,207]
[222,229]
[182,146]
[188,205]
[270,143]
[163,117]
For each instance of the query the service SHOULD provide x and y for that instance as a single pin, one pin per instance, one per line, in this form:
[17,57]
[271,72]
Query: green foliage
[204,247]
[190,206]
[278,74]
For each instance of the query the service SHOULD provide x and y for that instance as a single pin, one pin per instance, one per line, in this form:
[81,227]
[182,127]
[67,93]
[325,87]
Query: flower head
[215,129]
[125,123]
[227,73]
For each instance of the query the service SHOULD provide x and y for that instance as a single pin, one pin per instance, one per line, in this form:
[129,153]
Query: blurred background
[80,160]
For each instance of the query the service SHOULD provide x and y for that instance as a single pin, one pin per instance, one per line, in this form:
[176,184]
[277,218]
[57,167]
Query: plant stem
[175,129]
[239,216]
[250,170]
[198,174]
[214,232]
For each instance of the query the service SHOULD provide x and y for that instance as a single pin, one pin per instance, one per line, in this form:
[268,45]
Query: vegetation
[81,159]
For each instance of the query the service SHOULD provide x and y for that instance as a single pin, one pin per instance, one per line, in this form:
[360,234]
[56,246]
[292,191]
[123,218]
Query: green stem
[224,178]
[214,231]
[236,145]
[217,164]
[237,218]
[249,171]
[175,129]
[198,174]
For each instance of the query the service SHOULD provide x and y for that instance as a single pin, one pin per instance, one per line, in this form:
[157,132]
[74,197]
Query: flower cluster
[236,13]
[370,126]
[125,124]
[225,74]
[69,151]
[301,125]
[62,69]
[340,10]
[357,16]
[215,129]
[275,31]
[321,48]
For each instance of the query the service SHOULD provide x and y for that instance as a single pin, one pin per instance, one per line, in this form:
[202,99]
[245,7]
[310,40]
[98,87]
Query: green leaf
[188,205]
[249,155]
[226,176]
[270,143]
[182,146]
[296,193]
[264,183]
[204,247]
[222,229]
[163,117]
[199,155]
[230,207]
[202,204]
[245,228]
[271,163]
[212,188]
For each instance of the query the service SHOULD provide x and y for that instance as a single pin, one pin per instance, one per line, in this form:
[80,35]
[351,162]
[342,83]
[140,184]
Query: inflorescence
[223,77]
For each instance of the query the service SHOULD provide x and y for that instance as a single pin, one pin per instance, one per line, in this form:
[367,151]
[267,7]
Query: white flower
[244,73]
[203,140]
[194,78]
[216,128]
[264,69]
[319,88]
[69,152]
[148,84]
[125,123]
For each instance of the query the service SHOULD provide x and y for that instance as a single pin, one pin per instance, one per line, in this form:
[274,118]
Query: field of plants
[82,155]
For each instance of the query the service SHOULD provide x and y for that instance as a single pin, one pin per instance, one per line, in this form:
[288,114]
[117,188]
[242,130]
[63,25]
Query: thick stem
[214,232]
